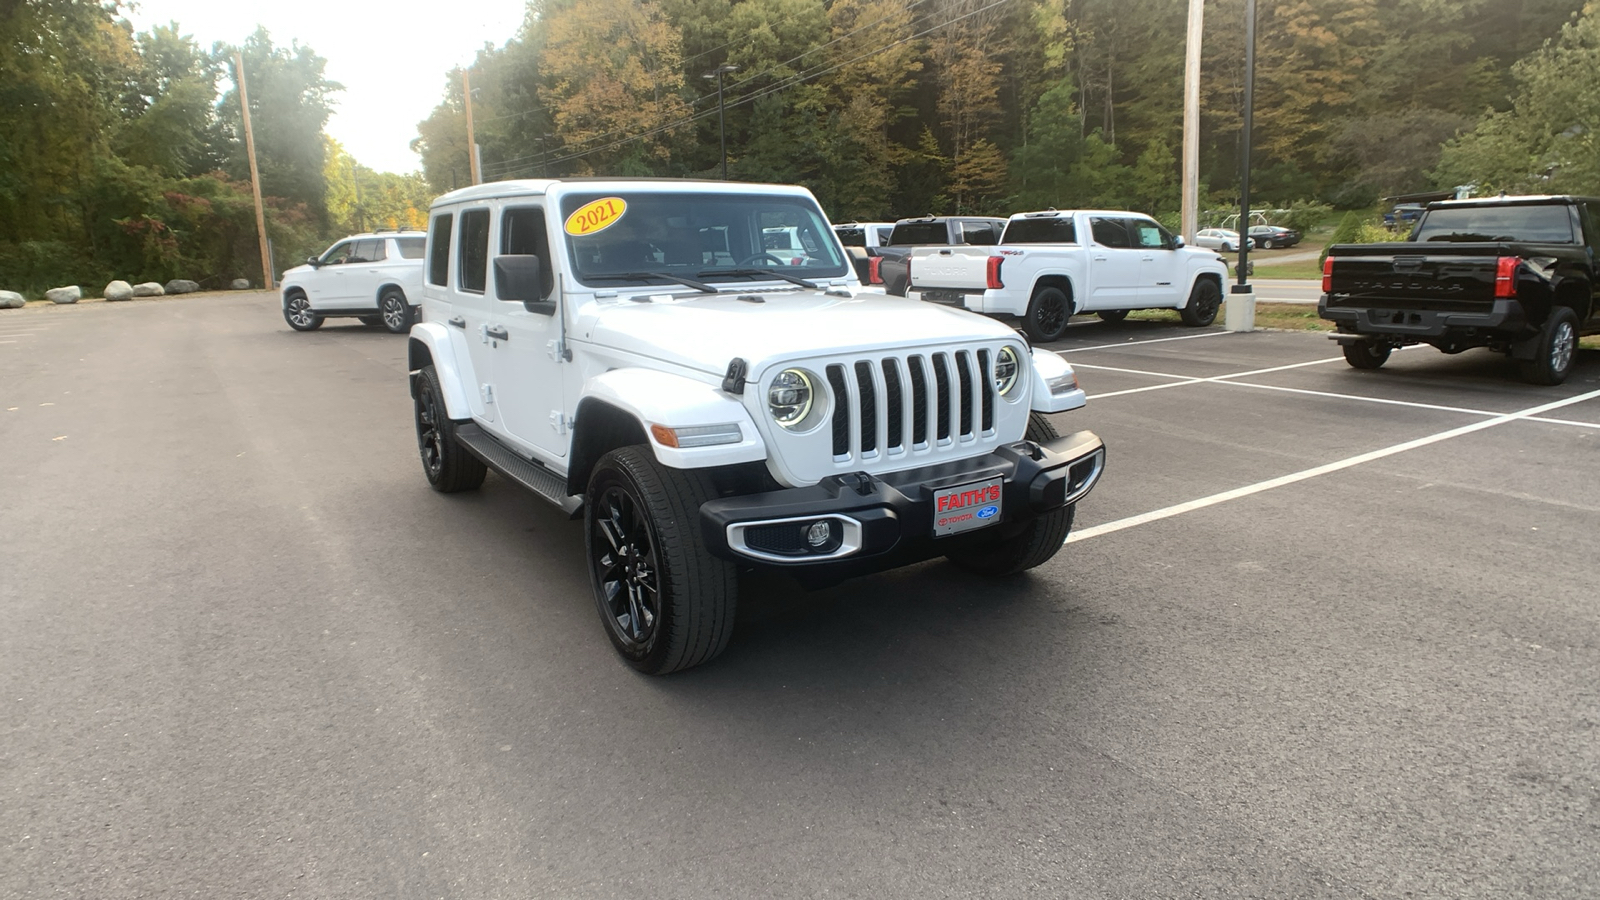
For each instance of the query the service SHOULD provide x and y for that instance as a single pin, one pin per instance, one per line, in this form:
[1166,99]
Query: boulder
[181,286]
[148,289]
[12,300]
[69,294]
[241,284]
[117,290]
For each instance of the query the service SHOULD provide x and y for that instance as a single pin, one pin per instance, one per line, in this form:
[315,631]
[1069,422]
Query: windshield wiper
[636,276]
[773,273]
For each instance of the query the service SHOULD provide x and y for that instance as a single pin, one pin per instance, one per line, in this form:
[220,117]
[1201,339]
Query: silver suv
[375,277]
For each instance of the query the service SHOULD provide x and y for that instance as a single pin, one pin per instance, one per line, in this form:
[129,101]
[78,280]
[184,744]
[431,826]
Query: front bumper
[880,522]
[1505,319]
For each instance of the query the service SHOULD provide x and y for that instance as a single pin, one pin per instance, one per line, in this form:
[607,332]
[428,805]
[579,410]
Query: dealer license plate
[966,506]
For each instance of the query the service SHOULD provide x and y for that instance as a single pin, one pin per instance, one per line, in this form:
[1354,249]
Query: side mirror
[313,262]
[1177,242]
[517,280]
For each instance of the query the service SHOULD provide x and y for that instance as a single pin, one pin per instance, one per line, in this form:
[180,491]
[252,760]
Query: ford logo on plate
[988,512]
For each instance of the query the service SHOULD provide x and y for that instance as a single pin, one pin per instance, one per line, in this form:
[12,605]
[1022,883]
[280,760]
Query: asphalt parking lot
[1319,633]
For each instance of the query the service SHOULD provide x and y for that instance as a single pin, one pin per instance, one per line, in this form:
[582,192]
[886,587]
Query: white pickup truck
[1051,265]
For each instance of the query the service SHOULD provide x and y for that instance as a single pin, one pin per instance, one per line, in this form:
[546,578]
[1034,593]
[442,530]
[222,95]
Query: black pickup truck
[1518,275]
[892,268]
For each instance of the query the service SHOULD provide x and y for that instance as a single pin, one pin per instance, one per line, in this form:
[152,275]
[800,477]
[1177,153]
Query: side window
[439,250]
[367,251]
[340,253]
[472,272]
[1109,232]
[523,233]
[410,248]
[380,250]
[1150,235]
[978,233]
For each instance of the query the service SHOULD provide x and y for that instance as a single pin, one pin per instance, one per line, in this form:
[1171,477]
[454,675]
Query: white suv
[374,277]
[634,352]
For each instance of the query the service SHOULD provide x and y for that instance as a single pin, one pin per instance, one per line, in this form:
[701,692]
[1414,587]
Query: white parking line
[1337,466]
[1186,337]
[1190,379]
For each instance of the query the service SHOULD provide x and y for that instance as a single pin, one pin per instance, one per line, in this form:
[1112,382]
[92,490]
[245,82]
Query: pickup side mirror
[1177,242]
[517,280]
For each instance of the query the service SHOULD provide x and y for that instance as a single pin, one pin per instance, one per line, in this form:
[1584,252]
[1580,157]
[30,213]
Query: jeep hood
[705,332]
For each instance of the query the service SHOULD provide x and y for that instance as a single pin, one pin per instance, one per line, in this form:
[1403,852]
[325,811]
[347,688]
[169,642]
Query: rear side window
[1549,224]
[914,233]
[439,259]
[367,251]
[472,273]
[1051,230]
[410,248]
[1110,232]
[851,237]
[980,234]
[523,233]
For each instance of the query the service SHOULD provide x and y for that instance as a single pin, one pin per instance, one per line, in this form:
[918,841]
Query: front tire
[1047,315]
[1035,544]
[298,313]
[394,312]
[1266,244]
[1205,298]
[666,603]
[1366,354]
[448,465]
[1556,349]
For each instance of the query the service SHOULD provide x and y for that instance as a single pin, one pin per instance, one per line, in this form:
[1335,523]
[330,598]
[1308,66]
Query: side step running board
[496,456]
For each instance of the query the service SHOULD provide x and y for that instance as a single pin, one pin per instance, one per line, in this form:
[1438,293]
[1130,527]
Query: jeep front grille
[880,403]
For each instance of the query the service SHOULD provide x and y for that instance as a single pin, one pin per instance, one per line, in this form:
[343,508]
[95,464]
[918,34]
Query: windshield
[641,237]
[1549,224]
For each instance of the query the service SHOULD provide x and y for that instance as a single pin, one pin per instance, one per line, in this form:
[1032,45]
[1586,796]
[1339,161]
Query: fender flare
[1222,283]
[1048,366]
[429,344]
[653,397]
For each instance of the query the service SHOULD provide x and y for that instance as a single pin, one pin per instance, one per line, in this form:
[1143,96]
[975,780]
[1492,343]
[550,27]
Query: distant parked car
[1219,239]
[1404,215]
[864,234]
[1269,236]
[375,277]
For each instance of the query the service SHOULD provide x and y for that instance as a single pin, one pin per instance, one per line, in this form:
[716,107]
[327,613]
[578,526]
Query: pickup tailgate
[959,268]
[1421,276]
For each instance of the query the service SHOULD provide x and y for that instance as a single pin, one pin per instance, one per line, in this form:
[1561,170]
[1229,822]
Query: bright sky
[391,56]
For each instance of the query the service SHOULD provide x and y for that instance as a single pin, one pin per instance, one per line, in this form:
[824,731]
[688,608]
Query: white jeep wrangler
[629,350]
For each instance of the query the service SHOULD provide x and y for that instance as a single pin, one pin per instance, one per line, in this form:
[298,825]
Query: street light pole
[1241,315]
[722,125]
[1191,122]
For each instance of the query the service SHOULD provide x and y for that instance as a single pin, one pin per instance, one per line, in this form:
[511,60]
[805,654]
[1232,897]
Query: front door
[528,368]
[1113,265]
[363,272]
[328,287]
[1162,278]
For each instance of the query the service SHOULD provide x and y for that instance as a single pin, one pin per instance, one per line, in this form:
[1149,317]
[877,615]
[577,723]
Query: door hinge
[488,393]
[558,351]
[560,422]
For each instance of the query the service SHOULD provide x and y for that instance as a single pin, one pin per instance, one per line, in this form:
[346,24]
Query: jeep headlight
[1006,369]
[790,397]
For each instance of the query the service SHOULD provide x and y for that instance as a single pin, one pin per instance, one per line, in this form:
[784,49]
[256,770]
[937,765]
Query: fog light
[819,534]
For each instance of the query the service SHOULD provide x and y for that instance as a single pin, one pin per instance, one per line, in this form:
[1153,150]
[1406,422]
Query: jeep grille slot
[894,405]
[941,383]
[841,411]
[964,378]
[986,384]
[919,400]
[868,392]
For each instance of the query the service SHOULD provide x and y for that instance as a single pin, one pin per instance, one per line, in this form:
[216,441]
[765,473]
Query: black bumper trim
[1505,317]
[896,510]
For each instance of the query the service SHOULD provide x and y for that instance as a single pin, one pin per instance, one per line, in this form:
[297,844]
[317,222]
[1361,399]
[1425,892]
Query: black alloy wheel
[1205,298]
[448,465]
[298,313]
[1047,316]
[626,571]
[395,312]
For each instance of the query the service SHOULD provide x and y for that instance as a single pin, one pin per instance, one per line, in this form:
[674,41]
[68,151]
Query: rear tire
[394,313]
[666,603]
[1557,347]
[1366,354]
[1205,298]
[449,466]
[1112,315]
[1047,315]
[1038,541]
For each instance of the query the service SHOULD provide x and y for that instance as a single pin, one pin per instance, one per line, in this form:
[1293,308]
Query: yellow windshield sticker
[596,216]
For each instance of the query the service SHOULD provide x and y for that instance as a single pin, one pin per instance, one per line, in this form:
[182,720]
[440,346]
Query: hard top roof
[540,186]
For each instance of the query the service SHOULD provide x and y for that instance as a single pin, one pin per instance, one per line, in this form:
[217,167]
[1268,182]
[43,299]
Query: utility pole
[722,125]
[255,176]
[1241,315]
[472,142]
[1191,122]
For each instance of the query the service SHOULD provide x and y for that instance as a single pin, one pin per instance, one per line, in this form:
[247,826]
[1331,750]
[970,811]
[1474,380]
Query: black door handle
[497,332]
[457,321]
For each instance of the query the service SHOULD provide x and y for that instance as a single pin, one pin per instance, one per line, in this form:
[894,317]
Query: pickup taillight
[1327,275]
[994,273]
[1505,277]
[873,277]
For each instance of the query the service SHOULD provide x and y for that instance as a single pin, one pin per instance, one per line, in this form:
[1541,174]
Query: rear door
[363,273]
[1114,264]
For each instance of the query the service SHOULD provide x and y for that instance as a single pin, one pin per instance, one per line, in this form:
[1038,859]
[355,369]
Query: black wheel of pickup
[1047,316]
[1555,350]
[1366,354]
[666,603]
[1035,543]
[448,465]
[1205,298]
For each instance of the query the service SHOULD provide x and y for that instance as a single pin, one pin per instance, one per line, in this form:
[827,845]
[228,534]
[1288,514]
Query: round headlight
[1006,369]
[790,396]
